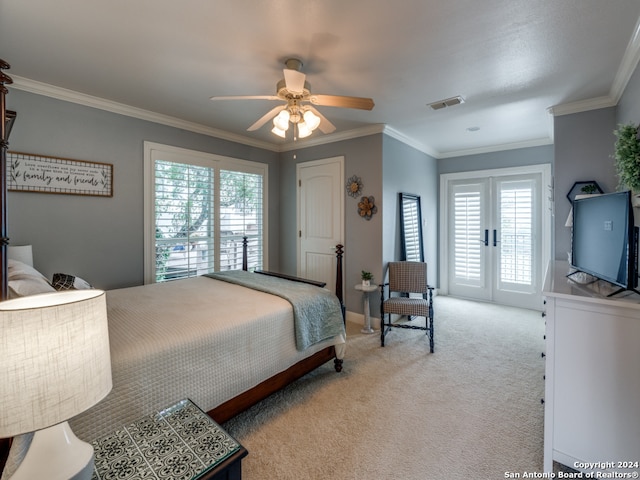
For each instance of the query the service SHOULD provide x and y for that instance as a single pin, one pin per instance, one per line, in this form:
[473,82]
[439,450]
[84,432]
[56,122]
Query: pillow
[63,281]
[25,280]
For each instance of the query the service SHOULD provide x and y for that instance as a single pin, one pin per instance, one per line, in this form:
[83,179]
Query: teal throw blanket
[316,311]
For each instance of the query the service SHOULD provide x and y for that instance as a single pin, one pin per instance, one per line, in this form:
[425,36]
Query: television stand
[620,290]
[593,280]
[575,272]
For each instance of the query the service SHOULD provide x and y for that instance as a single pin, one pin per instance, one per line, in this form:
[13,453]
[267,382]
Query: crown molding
[411,142]
[498,148]
[582,106]
[39,88]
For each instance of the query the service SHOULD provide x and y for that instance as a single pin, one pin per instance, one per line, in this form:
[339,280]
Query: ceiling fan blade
[341,101]
[266,117]
[325,125]
[294,80]
[246,97]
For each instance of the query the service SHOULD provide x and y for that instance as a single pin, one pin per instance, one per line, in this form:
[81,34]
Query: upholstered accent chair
[405,279]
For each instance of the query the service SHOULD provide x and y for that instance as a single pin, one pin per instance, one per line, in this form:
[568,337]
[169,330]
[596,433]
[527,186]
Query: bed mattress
[196,338]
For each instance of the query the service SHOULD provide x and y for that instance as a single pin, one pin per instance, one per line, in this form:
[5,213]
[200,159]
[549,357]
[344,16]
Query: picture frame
[28,172]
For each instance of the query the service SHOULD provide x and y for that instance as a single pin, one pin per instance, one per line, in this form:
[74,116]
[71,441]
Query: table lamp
[54,364]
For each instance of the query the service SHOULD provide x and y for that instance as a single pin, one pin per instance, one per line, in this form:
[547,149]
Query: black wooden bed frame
[228,409]
[242,402]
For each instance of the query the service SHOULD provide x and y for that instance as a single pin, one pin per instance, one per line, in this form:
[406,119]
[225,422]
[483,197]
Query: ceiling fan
[298,108]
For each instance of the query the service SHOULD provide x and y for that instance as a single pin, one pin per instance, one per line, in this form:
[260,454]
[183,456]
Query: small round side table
[366,289]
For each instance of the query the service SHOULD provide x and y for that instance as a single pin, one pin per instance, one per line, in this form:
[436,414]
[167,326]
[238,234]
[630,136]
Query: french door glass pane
[516,232]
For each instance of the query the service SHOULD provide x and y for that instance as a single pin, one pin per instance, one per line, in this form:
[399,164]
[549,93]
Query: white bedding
[196,338]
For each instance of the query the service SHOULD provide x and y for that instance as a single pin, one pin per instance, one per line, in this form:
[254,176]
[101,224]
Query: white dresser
[592,387]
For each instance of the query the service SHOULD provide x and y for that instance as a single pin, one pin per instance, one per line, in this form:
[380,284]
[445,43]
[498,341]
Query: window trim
[153,151]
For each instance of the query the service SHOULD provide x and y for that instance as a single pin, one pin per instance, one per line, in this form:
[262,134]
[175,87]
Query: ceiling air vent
[447,102]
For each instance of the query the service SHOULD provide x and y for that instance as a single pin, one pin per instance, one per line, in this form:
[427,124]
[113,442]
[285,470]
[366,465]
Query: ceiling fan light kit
[306,123]
[296,92]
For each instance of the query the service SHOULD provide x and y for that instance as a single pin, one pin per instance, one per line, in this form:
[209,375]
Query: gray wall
[410,171]
[363,239]
[504,159]
[101,239]
[629,105]
[583,148]
[584,145]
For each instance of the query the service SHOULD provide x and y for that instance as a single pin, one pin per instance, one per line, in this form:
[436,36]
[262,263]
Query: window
[198,209]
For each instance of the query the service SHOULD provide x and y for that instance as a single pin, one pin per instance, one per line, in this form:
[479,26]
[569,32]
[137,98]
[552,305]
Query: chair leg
[382,330]
[430,333]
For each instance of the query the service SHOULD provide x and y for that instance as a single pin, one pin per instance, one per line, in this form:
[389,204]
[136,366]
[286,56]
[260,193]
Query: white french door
[496,237]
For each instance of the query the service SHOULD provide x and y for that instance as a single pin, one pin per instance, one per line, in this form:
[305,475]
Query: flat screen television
[604,239]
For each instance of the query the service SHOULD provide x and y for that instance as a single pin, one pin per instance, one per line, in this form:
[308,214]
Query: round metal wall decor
[367,207]
[354,186]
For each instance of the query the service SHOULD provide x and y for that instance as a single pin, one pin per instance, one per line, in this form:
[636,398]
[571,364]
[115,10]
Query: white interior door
[496,238]
[320,218]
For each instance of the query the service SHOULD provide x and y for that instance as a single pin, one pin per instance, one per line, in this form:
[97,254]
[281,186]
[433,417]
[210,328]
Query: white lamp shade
[303,130]
[281,121]
[21,253]
[54,358]
[277,131]
[311,119]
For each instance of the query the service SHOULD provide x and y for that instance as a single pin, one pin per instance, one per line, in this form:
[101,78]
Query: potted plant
[589,189]
[627,157]
[366,278]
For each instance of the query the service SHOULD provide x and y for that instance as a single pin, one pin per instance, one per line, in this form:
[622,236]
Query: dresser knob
[542,401]
[543,355]
[544,314]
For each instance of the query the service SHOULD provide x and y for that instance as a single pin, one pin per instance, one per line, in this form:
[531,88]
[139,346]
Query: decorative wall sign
[27,172]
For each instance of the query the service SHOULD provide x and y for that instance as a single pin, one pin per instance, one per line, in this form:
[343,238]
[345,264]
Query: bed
[225,340]
[163,348]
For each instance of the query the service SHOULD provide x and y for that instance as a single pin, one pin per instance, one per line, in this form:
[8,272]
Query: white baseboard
[358,318]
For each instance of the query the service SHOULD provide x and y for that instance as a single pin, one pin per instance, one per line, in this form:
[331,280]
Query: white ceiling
[159,59]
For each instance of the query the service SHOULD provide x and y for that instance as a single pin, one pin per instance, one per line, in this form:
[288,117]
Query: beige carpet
[471,410]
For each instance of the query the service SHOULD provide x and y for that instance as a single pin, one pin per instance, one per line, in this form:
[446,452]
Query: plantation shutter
[467,234]
[184,201]
[241,210]
[516,227]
